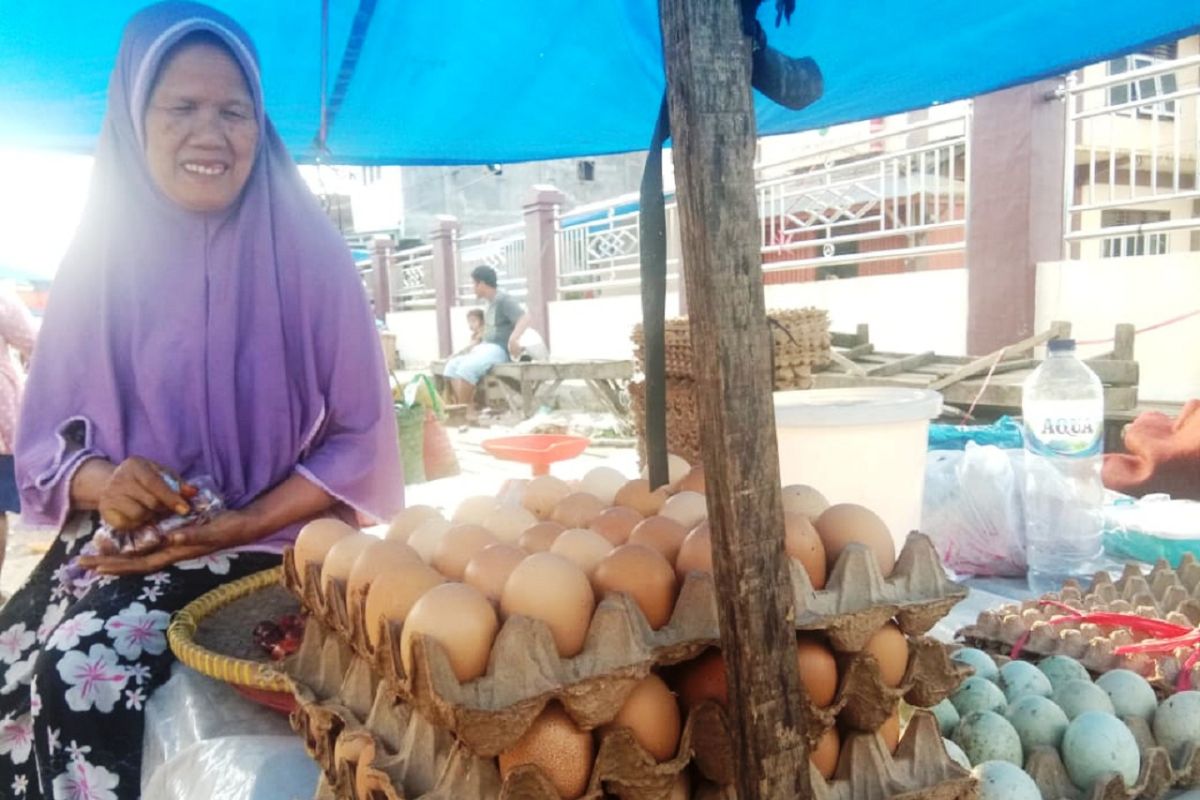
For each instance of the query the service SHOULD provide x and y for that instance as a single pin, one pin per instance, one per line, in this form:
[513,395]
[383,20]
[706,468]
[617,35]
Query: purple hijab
[237,344]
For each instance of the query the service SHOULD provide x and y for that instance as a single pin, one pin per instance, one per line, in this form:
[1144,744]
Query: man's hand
[136,493]
[228,529]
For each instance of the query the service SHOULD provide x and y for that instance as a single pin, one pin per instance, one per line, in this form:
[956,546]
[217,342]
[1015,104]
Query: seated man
[504,322]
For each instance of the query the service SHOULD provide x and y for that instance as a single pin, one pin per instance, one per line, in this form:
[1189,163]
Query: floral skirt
[79,656]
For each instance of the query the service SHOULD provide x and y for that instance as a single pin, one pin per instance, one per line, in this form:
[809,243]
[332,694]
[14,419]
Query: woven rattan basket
[213,635]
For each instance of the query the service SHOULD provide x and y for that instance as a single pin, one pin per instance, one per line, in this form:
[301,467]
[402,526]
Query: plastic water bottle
[1063,410]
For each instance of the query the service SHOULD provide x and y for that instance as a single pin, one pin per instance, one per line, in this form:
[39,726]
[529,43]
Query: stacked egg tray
[1163,593]
[488,715]
[683,418]
[800,337]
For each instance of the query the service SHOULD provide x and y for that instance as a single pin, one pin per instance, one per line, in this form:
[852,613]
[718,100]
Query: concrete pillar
[1015,212]
[381,247]
[541,259]
[445,278]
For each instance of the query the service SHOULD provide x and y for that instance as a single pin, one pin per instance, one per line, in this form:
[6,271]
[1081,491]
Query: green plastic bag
[421,391]
[410,424]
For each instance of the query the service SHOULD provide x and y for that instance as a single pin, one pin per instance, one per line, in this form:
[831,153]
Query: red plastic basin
[539,450]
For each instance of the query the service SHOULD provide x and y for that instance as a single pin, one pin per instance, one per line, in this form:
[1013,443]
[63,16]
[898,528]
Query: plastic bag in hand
[973,510]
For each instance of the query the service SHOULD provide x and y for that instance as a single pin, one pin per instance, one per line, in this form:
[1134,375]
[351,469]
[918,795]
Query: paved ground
[481,474]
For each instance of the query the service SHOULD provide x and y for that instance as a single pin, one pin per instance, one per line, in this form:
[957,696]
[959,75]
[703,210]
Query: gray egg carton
[525,671]
[1163,593]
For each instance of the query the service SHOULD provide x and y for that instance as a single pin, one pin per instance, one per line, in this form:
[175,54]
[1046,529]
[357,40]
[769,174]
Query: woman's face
[201,130]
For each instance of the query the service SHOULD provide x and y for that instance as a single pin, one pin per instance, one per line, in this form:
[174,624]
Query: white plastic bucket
[863,445]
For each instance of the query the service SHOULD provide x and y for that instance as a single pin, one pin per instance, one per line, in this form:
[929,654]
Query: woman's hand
[136,493]
[228,529]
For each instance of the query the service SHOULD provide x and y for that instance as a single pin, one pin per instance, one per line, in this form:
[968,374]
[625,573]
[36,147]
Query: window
[1144,89]
[1136,243]
[371,174]
[586,170]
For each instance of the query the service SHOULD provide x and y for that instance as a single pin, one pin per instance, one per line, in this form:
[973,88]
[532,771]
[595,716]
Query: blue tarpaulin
[475,81]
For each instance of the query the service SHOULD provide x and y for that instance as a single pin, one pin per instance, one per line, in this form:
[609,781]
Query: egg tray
[1157,776]
[370,744]
[491,713]
[920,769]
[1162,593]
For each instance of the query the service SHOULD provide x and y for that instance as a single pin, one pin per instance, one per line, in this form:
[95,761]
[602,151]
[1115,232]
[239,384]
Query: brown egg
[475,510]
[661,534]
[509,522]
[556,746]
[340,560]
[543,494]
[702,679]
[408,520]
[845,523]
[457,547]
[802,543]
[548,587]
[652,715]
[616,523]
[488,570]
[461,620]
[577,510]
[692,482]
[393,594]
[538,538]
[378,557]
[825,755]
[689,509]
[602,483]
[585,548]
[695,554]
[315,539]
[890,648]
[818,670]
[636,494]
[677,469]
[890,731]
[426,538]
[801,499]
[644,575]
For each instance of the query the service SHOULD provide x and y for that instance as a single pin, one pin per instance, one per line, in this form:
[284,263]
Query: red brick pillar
[381,247]
[1015,212]
[541,259]
[445,278]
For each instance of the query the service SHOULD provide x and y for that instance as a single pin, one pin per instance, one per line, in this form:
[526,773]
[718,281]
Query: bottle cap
[1061,345]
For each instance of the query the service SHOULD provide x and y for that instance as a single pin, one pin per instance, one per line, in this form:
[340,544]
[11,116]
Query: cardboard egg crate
[1158,776]
[1163,593]
[525,671]
[920,769]
[371,745]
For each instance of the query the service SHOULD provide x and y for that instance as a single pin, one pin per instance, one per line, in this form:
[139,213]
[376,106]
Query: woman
[206,321]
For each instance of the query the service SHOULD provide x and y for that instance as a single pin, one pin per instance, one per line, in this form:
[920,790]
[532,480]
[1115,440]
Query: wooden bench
[526,385]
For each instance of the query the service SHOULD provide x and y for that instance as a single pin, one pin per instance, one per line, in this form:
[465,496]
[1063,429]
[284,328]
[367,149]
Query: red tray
[539,450]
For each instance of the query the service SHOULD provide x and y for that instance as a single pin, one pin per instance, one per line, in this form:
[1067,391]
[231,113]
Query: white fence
[502,249]
[1133,137]
[410,278]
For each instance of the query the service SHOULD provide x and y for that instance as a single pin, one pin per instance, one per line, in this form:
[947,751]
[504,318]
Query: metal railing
[599,251]
[896,195]
[501,248]
[1132,179]
[410,278]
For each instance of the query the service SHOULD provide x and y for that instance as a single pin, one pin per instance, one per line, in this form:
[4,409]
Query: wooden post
[445,279]
[381,249]
[712,129]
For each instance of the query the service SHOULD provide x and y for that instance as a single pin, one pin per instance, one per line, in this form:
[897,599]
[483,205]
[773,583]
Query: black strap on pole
[652,236]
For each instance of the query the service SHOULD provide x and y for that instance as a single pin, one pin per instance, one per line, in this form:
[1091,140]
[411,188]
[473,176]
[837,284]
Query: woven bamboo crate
[801,345]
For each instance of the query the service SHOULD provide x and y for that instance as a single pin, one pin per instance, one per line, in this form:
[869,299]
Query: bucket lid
[864,405]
